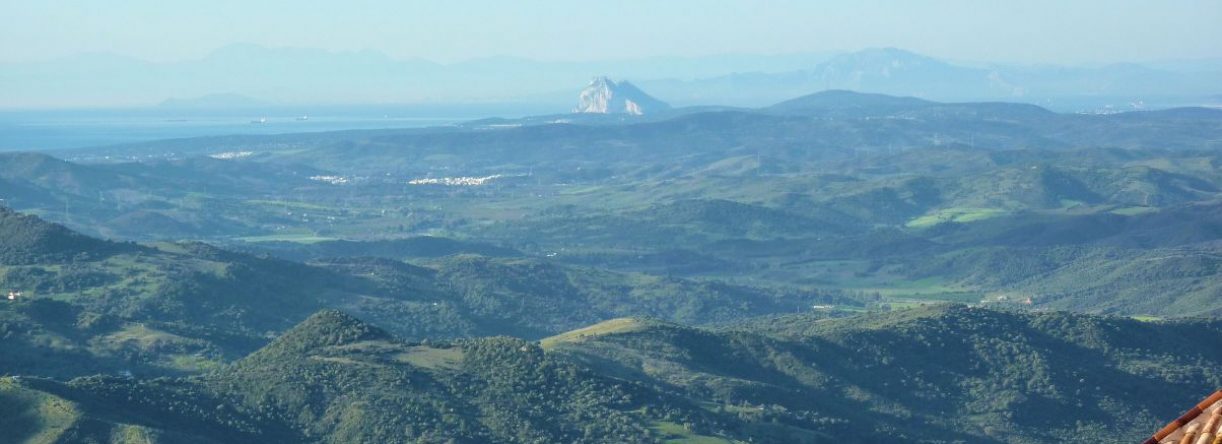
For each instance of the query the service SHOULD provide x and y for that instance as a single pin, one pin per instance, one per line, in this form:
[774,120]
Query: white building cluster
[230,155]
[333,180]
[465,181]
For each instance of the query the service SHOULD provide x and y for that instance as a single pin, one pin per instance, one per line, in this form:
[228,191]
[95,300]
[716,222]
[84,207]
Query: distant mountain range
[298,76]
[315,76]
[898,72]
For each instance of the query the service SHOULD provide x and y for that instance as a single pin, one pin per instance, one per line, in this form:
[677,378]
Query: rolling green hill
[93,306]
[336,379]
[932,374]
[942,373]
[29,240]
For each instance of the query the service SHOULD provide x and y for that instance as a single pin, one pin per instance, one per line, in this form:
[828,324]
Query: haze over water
[66,129]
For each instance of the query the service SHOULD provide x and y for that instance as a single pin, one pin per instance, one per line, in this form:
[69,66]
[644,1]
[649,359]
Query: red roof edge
[1186,418]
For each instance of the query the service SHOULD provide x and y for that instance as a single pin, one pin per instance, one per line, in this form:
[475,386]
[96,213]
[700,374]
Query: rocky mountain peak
[606,96]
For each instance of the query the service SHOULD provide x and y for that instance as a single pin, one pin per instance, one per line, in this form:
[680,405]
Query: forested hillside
[936,374]
[93,306]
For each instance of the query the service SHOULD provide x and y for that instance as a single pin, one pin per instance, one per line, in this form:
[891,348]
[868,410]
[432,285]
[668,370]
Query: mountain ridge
[606,96]
[751,81]
[1009,377]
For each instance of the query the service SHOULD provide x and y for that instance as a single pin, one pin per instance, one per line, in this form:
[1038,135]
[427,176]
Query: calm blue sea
[52,130]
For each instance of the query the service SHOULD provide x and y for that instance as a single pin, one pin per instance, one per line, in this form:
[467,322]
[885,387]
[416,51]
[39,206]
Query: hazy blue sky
[1026,31]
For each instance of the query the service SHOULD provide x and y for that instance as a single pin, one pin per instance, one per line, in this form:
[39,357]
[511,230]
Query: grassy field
[621,325]
[1147,318]
[289,204]
[933,287]
[301,238]
[677,434]
[858,275]
[432,358]
[33,417]
[955,214]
